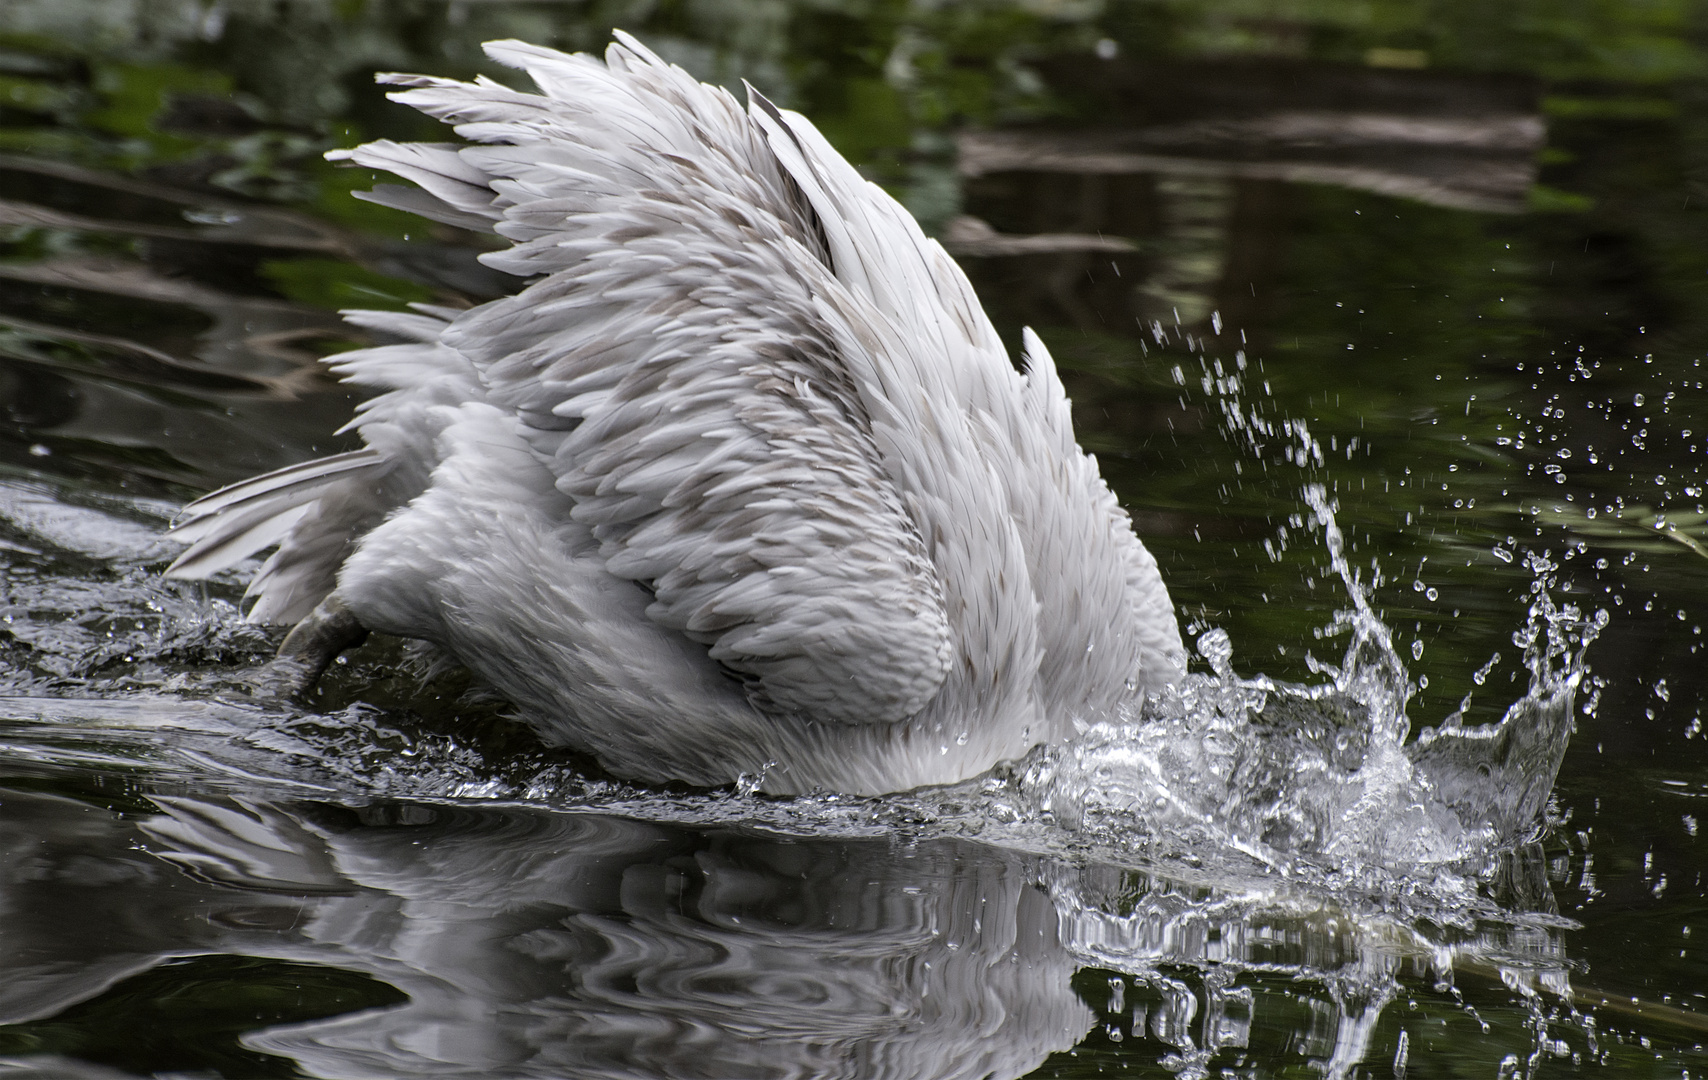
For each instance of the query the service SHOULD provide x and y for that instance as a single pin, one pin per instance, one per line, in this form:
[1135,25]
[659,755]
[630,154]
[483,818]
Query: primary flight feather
[742,482]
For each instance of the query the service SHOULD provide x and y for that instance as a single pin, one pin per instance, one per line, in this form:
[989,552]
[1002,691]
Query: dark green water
[1466,250]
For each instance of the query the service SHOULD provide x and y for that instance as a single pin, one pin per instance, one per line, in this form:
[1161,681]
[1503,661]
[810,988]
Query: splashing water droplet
[1215,647]
[748,784]
[1321,778]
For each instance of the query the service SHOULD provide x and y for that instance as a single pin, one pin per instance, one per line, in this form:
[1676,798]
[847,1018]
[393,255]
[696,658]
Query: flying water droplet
[1215,647]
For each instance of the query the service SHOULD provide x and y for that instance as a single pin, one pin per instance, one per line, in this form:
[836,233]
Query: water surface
[1386,323]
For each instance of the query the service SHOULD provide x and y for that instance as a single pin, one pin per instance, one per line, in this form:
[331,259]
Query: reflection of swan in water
[532,943]
[544,945]
[746,477]
[540,944]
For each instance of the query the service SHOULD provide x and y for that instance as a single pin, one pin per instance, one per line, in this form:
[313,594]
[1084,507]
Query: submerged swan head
[742,481]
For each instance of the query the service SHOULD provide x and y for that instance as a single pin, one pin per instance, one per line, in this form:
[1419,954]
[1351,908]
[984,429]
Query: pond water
[1386,322]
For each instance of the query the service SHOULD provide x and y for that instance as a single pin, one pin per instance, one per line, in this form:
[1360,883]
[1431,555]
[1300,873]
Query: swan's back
[746,404]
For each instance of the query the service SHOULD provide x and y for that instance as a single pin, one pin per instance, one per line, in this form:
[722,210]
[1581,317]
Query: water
[527,918]
[1406,400]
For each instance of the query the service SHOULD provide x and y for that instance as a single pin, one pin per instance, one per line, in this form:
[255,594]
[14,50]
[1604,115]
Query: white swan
[742,482]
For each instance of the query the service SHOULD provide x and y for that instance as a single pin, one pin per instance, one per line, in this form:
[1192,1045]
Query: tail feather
[304,570]
[234,523]
[235,538]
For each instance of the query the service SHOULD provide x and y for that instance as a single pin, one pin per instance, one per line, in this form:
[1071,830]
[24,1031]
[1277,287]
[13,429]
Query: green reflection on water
[188,1015]
[334,284]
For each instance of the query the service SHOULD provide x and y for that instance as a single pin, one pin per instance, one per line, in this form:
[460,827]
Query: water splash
[1315,822]
[1319,780]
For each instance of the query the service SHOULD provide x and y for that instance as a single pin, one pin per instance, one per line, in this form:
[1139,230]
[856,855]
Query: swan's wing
[1129,575]
[1105,622]
[680,378]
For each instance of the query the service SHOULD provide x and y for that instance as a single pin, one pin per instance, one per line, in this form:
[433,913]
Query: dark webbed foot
[310,646]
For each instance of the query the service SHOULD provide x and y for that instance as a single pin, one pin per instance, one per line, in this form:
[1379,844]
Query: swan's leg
[310,646]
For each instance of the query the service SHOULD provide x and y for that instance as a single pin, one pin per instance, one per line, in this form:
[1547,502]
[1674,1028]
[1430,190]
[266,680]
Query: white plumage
[742,481]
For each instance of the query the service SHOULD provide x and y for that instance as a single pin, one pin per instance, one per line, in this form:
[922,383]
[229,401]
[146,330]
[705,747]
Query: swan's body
[742,482]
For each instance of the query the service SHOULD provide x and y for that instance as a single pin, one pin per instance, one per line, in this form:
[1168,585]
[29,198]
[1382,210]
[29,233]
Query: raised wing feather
[681,378]
[1104,620]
